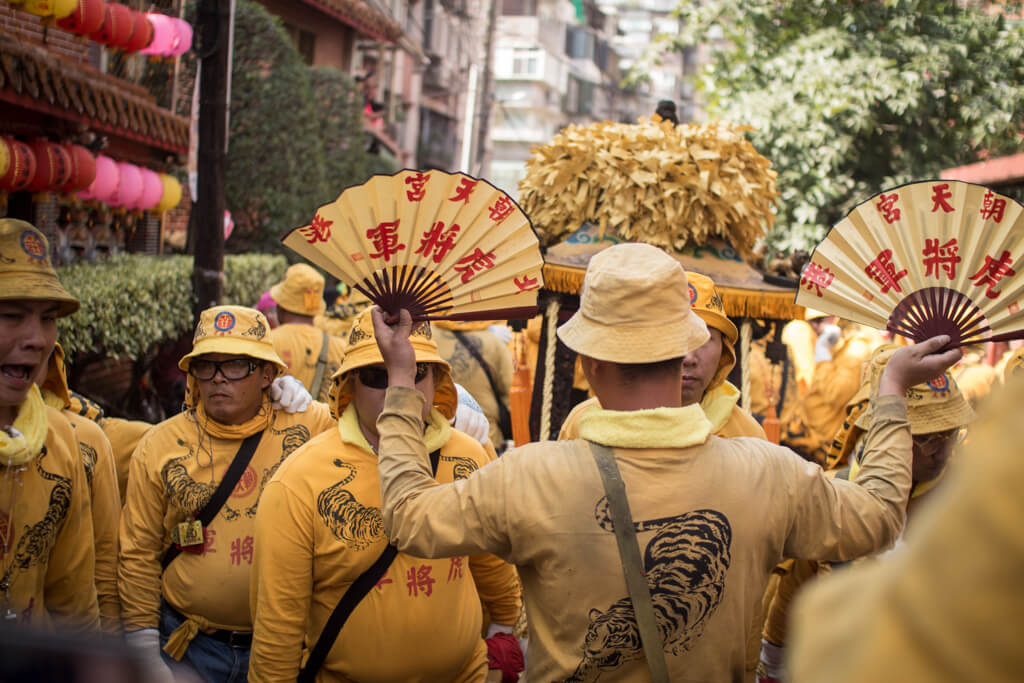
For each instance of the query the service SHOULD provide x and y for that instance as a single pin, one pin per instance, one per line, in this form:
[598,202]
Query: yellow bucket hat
[707,304]
[362,351]
[301,292]
[633,308]
[25,270]
[235,330]
[935,406]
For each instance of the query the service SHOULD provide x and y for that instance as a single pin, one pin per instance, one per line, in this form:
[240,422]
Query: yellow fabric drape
[25,438]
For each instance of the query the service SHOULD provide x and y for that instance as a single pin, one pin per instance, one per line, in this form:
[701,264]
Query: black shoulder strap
[349,601]
[632,565]
[504,417]
[321,364]
[223,490]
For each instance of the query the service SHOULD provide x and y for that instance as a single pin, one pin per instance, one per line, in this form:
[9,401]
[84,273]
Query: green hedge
[132,302]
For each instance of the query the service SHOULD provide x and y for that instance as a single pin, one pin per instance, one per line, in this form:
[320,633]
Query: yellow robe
[171,478]
[299,347]
[319,528]
[750,502]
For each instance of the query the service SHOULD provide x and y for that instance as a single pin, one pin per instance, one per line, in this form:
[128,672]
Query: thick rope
[746,332]
[551,319]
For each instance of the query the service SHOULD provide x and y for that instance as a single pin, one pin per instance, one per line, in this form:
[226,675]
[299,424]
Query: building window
[526,61]
[304,41]
[519,8]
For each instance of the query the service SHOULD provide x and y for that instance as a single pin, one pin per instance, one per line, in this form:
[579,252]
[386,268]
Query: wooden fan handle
[1006,336]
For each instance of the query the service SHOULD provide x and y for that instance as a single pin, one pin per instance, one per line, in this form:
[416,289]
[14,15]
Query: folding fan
[443,246]
[923,259]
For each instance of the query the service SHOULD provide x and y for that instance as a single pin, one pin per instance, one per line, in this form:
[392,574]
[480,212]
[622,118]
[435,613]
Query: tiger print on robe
[294,436]
[185,493]
[686,563]
[350,521]
[356,524]
[89,458]
[37,540]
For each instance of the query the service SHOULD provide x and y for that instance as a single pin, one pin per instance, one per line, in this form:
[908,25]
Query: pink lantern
[129,190]
[184,43]
[108,176]
[152,190]
[165,35]
[229,224]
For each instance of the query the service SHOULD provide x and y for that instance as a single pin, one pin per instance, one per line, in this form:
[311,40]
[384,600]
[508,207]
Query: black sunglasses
[376,377]
[231,369]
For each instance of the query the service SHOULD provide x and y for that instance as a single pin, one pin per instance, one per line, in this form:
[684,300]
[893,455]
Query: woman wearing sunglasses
[319,528]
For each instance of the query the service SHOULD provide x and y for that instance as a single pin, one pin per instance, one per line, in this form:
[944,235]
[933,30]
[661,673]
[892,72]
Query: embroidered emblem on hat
[693,293]
[358,334]
[259,330]
[34,247]
[715,302]
[223,323]
[422,330]
[939,385]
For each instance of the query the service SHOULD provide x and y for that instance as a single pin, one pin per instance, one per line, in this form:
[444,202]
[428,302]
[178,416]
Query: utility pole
[487,91]
[213,25]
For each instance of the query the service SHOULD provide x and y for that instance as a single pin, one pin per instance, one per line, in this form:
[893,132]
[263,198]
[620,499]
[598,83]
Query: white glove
[472,422]
[502,332]
[828,338]
[288,394]
[772,661]
[146,642]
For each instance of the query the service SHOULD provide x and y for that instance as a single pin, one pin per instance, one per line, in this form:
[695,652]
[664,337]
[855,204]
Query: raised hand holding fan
[443,246]
[923,259]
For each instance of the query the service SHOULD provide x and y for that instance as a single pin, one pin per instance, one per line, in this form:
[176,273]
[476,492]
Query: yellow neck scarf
[437,434]
[257,423]
[718,403]
[23,440]
[657,428]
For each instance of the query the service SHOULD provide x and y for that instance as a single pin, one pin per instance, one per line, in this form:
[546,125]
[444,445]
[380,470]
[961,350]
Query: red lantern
[142,35]
[117,28]
[53,166]
[83,169]
[22,167]
[86,19]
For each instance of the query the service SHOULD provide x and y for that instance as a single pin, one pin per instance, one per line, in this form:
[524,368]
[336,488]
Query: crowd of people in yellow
[337,500]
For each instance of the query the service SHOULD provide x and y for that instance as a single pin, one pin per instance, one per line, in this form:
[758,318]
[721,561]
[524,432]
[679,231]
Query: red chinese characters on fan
[474,263]
[940,198]
[501,209]
[465,188]
[816,278]
[437,242]
[526,283]
[992,272]
[385,240]
[992,207]
[940,258]
[417,184]
[317,231]
[887,207]
[883,271]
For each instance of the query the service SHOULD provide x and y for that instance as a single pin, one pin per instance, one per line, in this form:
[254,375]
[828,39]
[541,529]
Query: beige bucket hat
[707,304]
[25,269]
[234,330]
[301,291]
[634,308]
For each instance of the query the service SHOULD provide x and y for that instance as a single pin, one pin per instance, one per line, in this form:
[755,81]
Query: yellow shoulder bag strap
[321,364]
[632,566]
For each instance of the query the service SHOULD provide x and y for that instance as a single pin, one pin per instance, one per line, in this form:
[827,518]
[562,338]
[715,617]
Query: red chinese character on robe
[940,195]
[318,231]
[474,263]
[941,255]
[992,207]
[439,241]
[418,184]
[385,240]
[992,272]
[241,550]
[464,189]
[501,209]
[883,271]
[526,283]
[815,278]
[455,569]
[887,207]
[418,580]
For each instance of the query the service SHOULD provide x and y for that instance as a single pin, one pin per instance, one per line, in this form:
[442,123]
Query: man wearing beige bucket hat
[188,524]
[713,515]
[46,533]
[319,529]
[312,355]
[938,413]
[704,370]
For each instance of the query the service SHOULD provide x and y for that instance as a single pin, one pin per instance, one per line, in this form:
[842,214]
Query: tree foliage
[852,97]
